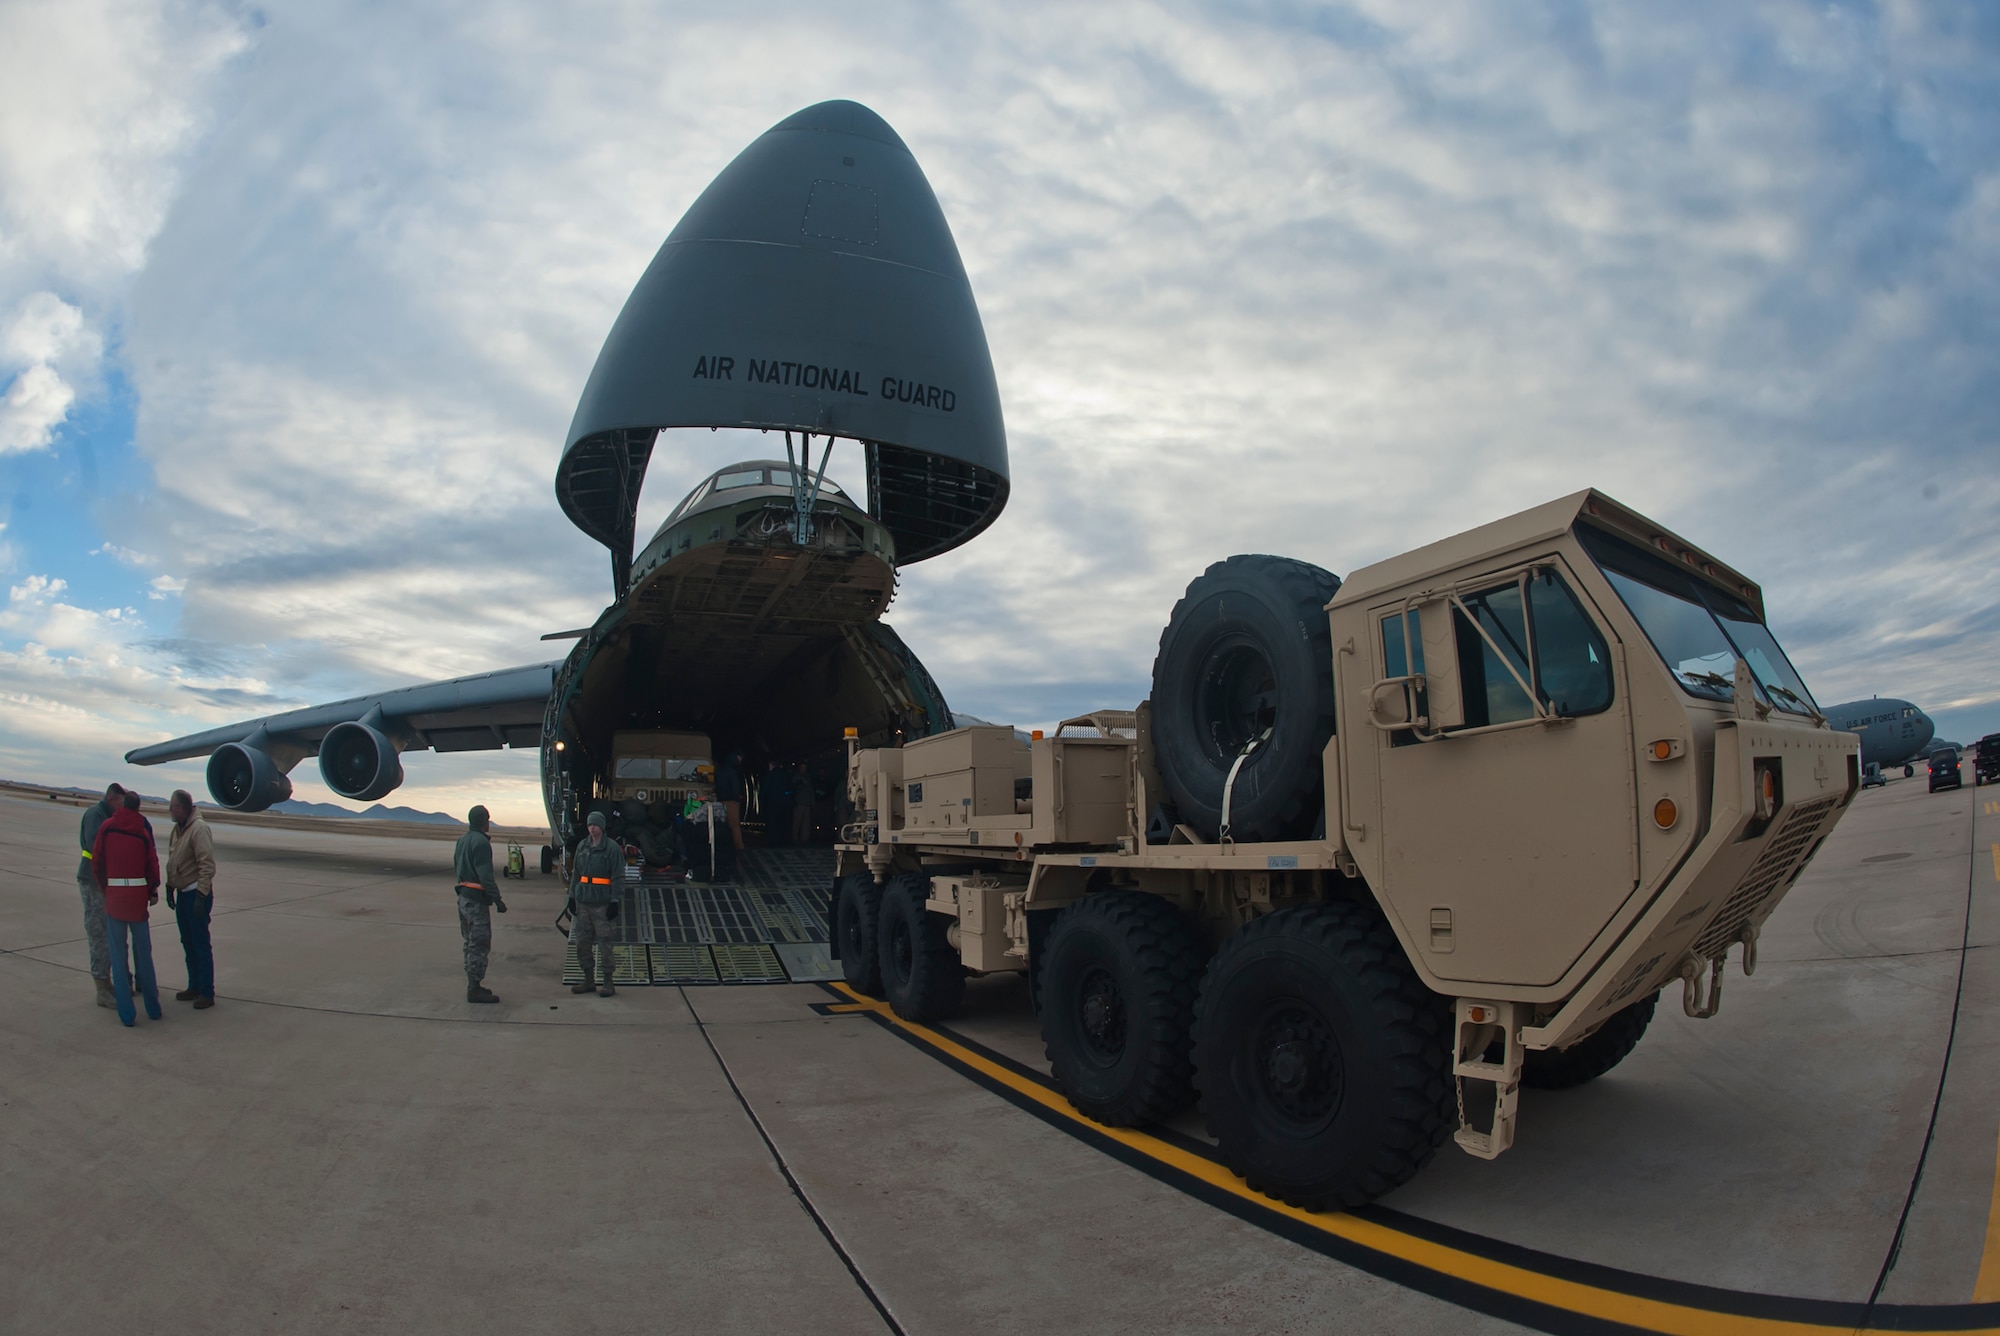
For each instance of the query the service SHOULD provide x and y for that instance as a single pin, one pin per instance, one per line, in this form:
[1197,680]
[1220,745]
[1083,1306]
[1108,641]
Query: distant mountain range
[331,810]
[376,813]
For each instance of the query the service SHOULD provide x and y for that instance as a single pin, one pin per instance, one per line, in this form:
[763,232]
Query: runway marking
[1534,1289]
[1996,862]
[1986,1289]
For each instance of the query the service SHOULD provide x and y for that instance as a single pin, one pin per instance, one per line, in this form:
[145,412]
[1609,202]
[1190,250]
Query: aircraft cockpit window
[740,478]
[827,491]
[687,504]
[1698,629]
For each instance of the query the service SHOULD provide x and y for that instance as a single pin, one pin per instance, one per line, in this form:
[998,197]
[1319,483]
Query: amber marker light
[1036,735]
[1662,750]
[1480,1015]
[851,733]
[1665,814]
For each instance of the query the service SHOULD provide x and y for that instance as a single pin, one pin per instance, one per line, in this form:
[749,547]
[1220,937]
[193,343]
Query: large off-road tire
[1247,648]
[1323,1064]
[922,979]
[1593,1055]
[855,917]
[1120,972]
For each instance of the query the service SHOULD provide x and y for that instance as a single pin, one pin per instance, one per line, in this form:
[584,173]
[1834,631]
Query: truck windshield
[1699,630]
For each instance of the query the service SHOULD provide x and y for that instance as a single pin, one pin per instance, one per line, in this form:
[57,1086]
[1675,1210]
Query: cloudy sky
[296,302]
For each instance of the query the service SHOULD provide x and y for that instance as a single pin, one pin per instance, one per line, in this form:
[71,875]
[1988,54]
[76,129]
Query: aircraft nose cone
[842,117]
[814,286]
[1926,730]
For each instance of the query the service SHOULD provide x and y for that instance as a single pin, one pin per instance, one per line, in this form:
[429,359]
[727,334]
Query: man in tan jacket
[190,878]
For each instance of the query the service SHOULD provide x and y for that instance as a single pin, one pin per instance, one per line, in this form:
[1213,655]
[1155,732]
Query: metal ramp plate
[749,964]
[683,965]
[807,963]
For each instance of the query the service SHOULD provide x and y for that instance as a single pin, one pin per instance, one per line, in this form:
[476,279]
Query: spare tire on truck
[1247,651]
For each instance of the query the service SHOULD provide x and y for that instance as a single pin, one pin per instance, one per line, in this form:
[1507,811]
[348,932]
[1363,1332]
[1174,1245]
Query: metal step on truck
[1372,854]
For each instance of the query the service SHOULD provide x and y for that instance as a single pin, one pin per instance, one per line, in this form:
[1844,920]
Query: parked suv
[1986,760]
[1944,770]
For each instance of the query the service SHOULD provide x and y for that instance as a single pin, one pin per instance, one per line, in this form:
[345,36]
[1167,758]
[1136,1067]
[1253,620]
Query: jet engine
[358,762]
[244,778]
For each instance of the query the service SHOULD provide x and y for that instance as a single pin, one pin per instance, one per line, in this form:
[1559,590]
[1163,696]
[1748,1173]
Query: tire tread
[1169,949]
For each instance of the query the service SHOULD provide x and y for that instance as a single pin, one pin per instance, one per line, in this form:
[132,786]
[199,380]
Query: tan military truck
[1372,854]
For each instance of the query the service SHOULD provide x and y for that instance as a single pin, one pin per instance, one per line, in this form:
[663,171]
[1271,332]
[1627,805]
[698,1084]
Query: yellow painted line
[1996,862]
[1987,1287]
[1534,1286]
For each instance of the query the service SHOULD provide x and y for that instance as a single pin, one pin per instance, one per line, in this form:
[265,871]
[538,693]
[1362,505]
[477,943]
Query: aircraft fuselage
[1893,732]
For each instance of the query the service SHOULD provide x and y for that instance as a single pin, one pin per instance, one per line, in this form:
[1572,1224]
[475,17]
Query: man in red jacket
[127,864]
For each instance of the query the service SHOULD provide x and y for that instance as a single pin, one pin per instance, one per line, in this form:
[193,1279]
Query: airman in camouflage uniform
[598,869]
[93,898]
[478,895]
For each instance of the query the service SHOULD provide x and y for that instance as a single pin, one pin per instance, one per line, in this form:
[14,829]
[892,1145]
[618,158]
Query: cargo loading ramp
[770,925]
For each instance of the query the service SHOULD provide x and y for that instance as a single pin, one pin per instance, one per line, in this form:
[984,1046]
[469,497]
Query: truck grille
[1766,876]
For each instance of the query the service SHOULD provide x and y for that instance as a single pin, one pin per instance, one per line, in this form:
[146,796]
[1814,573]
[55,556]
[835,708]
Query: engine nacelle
[245,778]
[359,763]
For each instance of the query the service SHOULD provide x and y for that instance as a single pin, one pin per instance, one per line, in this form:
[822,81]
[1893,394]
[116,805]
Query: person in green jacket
[95,816]
[598,872]
[478,894]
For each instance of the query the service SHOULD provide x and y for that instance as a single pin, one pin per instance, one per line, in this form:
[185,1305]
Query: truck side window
[1570,654]
[1492,696]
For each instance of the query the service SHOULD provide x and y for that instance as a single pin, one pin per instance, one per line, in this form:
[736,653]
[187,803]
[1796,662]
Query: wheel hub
[1298,1063]
[1102,1012]
[1238,697]
[899,949]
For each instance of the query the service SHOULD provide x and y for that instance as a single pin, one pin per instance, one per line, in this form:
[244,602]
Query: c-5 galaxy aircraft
[1893,732]
[813,290]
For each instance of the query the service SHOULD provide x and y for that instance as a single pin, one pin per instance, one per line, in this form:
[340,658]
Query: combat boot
[105,997]
[606,990]
[475,992]
[587,986]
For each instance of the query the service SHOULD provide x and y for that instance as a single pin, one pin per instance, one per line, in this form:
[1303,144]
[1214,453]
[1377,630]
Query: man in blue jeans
[191,894]
[127,865]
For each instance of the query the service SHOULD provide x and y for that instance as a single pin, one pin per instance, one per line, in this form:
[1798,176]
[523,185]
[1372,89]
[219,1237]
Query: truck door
[1509,835]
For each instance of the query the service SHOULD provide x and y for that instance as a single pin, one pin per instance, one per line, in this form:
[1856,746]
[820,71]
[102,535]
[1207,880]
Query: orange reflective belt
[470,886]
[597,881]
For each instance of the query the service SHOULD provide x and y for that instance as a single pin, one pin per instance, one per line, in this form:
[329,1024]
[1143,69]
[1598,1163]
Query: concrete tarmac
[344,1144]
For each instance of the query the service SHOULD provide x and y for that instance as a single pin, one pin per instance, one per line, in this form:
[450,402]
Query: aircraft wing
[358,740]
[482,712]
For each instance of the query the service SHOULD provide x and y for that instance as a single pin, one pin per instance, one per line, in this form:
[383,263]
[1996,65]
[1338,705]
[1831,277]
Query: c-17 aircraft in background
[1893,732]
[812,290]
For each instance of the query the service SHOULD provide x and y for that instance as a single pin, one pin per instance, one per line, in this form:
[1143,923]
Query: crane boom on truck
[1371,855]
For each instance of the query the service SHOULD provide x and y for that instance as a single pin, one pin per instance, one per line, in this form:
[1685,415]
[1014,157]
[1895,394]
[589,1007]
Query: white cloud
[99,101]
[45,335]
